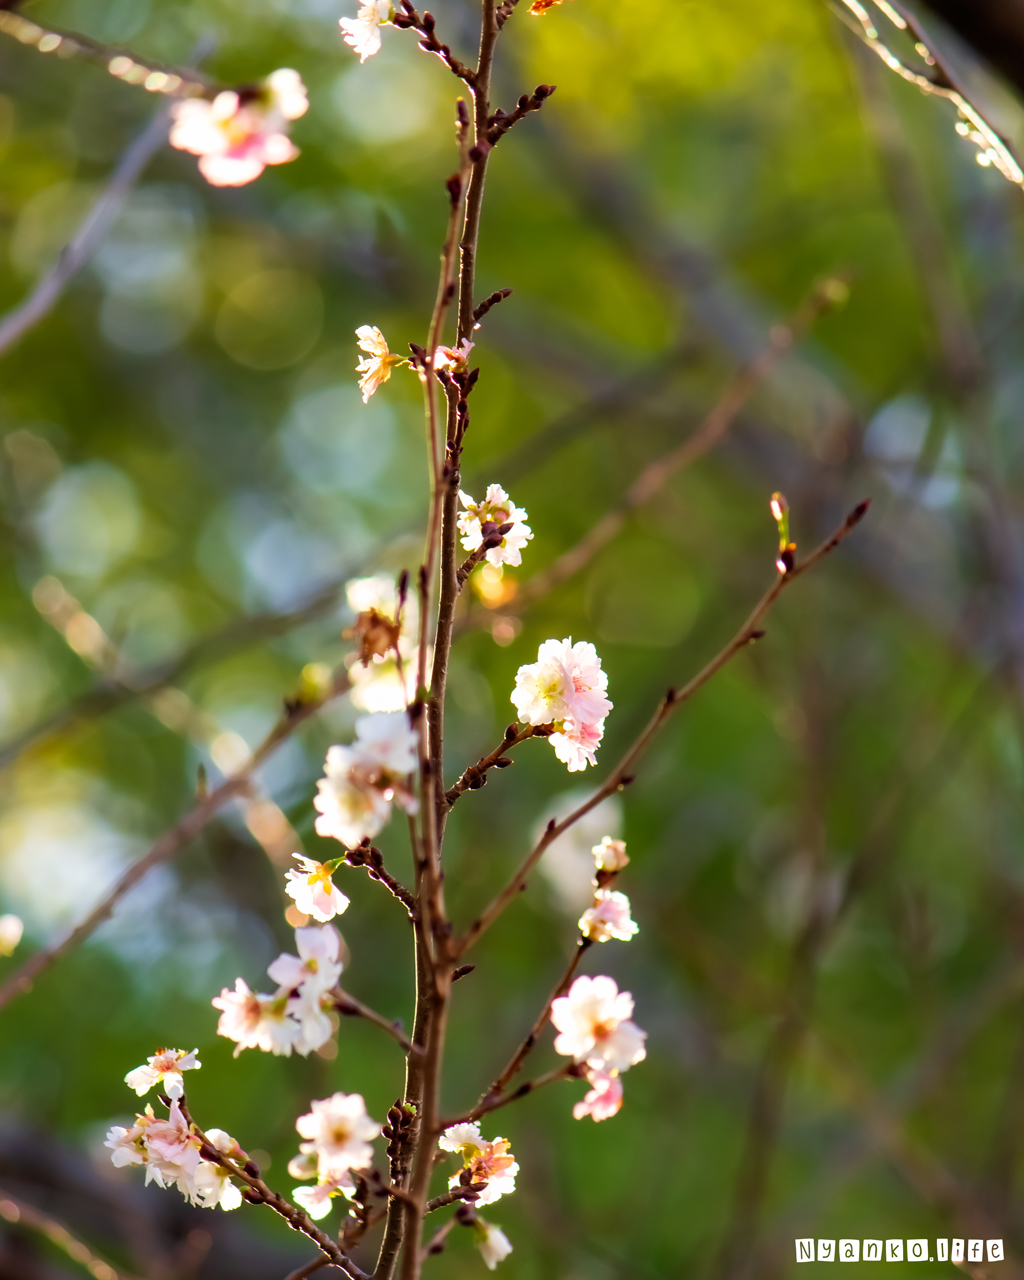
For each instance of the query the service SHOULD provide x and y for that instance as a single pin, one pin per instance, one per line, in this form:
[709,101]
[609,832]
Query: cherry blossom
[377,364]
[166,1065]
[608,918]
[565,687]
[172,1152]
[11,929]
[238,134]
[594,1022]
[339,1132]
[212,1181]
[314,891]
[493,1243]
[354,797]
[610,855]
[317,1200]
[604,1098]
[128,1146]
[454,358]
[308,977]
[363,31]
[256,1021]
[489,1162]
[496,509]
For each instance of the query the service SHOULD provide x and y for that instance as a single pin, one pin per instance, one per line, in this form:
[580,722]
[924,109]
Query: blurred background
[826,843]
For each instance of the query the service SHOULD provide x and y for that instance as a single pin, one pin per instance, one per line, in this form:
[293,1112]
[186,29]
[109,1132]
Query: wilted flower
[11,929]
[482,1161]
[256,1021]
[604,1098]
[339,1133]
[238,134]
[378,684]
[166,1065]
[377,364]
[595,1026]
[482,519]
[363,31]
[354,797]
[565,687]
[608,918]
[492,1242]
[610,855]
[314,891]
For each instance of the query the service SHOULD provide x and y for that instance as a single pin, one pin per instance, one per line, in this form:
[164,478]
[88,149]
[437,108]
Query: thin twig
[453,1197]
[474,777]
[620,775]
[351,1007]
[515,1063]
[309,1269]
[166,847]
[17,1211]
[568,1072]
[89,235]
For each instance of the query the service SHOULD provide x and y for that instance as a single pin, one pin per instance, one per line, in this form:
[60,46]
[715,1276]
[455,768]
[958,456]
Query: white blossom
[237,135]
[166,1065]
[456,359]
[314,891]
[489,1162]
[565,687]
[339,1133]
[493,1243]
[376,366]
[11,929]
[212,1181]
[610,855]
[594,1022]
[609,917]
[128,1145]
[256,1021]
[363,31]
[496,509]
[354,796]
[172,1152]
[317,1200]
[316,966]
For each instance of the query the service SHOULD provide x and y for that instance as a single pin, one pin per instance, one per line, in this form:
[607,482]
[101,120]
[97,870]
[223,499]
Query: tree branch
[17,1211]
[353,1008]
[620,775]
[474,777]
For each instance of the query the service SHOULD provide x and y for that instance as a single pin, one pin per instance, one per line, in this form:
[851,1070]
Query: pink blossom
[238,134]
[172,1152]
[610,855]
[594,1022]
[339,1132]
[604,1098]
[496,509]
[489,1162]
[565,688]
[314,890]
[360,782]
[165,1066]
[454,358]
[608,918]
[256,1021]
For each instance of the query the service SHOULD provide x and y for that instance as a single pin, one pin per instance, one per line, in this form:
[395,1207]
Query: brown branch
[353,1008]
[568,1072]
[309,1269]
[469,1192]
[257,1192]
[475,776]
[621,774]
[499,123]
[424,25]
[710,433]
[16,1211]
[166,847]
[373,860]
[482,308]
[175,82]
[515,1063]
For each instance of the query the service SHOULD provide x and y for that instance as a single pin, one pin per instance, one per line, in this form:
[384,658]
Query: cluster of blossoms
[387,643]
[170,1149]
[609,917]
[239,133]
[296,1016]
[595,1029]
[482,521]
[338,1132]
[361,781]
[490,1169]
[565,688]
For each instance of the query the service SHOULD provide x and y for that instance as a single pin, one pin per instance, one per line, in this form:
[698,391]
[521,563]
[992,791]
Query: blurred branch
[474,777]
[707,435]
[353,1008]
[620,775]
[89,235]
[934,77]
[26,1215]
[20,982]
[175,82]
